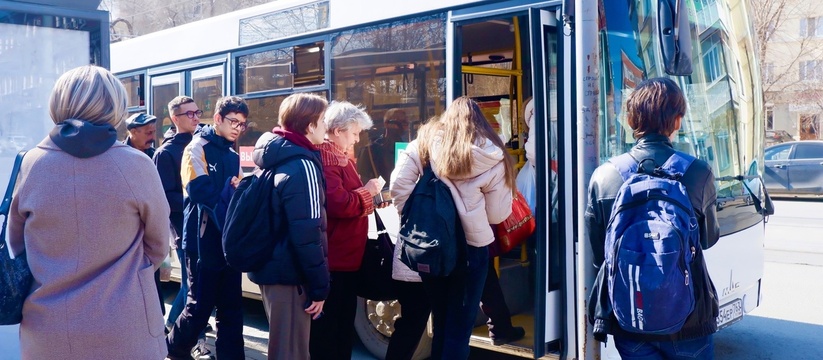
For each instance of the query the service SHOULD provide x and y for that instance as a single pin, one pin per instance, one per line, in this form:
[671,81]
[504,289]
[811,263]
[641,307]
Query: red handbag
[517,227]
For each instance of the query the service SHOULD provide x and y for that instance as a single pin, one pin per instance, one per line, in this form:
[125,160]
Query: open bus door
[503,58]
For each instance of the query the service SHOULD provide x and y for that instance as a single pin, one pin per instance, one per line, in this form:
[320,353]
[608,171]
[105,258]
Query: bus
[577,61]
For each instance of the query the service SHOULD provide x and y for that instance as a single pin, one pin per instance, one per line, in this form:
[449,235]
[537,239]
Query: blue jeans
[697,348]
[454,301]
[179,301]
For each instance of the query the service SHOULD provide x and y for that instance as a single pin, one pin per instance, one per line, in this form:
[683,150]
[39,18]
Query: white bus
[578,60]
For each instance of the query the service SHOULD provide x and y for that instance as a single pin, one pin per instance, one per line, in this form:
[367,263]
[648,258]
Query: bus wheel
[374,323]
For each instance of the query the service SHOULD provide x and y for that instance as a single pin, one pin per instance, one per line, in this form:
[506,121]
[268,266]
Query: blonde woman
[92,216]
[468,156]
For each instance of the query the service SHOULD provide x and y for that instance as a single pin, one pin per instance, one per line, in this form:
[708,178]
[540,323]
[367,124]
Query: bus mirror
[675,37]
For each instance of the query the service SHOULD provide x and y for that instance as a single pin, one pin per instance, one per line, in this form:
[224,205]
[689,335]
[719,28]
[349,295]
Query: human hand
[383,204]
[373,187]
[235,181]
[315,309]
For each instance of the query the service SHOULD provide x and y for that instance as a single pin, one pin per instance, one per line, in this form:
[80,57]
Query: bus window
[163,89]
[135,85]
[206,88]
[396,71]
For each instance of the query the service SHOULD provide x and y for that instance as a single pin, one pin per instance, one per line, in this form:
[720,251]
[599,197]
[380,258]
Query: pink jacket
[481,197]
[94,230]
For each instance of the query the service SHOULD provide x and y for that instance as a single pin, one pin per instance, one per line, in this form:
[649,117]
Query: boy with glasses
[210,168]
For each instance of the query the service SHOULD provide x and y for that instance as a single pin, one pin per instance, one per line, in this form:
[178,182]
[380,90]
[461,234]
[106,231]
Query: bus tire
[376,341]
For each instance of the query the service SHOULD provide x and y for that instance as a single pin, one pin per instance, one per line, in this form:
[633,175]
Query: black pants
[209,288]
[494,305]
[415,310]
[332,333]
[454,300]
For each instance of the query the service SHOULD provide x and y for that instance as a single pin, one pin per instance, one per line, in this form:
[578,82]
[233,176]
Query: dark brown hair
[654,106]
[298,111]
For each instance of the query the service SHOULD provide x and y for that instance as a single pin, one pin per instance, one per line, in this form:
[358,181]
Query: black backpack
[251,222]
[431,236]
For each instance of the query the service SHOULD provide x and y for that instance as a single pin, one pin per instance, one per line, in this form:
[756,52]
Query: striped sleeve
[313,187]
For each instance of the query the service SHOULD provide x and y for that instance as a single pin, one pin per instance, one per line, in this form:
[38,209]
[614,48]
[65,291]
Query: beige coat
[94,231]
[481,197]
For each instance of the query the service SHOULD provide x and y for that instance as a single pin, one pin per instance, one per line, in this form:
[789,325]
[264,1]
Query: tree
[130,18]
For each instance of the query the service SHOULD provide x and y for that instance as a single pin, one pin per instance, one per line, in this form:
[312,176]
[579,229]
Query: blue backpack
[651,239]
[431,235]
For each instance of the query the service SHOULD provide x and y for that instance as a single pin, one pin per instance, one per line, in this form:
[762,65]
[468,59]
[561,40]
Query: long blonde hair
[460,127]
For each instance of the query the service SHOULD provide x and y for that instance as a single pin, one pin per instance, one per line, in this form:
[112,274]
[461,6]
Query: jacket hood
[171,137]
[207,132]
[485,155]
[83,139]
[272,150]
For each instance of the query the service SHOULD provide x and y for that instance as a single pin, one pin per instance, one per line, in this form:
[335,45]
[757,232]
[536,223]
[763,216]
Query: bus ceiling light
[675,37]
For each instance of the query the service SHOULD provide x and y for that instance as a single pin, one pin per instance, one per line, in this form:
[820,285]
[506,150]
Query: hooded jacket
[208,164]
[299,255]
[481,197]
[699,182]
[167,159]
[92,218]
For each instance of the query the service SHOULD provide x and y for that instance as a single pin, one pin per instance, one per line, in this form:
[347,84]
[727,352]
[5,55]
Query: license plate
[730,313]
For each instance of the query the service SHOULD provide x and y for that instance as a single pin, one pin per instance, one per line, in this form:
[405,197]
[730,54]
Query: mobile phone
[384,196]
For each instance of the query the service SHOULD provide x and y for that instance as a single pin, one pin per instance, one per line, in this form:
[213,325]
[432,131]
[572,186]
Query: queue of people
[87,269]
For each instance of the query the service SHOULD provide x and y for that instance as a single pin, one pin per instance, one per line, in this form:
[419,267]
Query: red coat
[348,205]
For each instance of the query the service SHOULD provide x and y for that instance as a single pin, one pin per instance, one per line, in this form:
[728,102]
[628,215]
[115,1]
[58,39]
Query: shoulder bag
[15,276]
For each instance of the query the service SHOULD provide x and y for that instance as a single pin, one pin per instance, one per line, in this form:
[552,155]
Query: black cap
[139,119]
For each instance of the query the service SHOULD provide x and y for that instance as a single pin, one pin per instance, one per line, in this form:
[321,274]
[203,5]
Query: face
[345,139]
[142,137]
[316,133]
[230,126]
[181,119]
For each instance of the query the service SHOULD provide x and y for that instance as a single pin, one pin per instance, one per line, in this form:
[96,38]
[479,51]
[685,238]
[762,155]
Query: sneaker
[201,352]
[516,333]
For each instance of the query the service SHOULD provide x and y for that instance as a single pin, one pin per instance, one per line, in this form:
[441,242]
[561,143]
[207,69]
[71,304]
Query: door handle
[780,166]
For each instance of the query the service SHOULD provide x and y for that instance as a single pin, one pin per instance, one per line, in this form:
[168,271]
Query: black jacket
[300,253]
[208,163]
[700,185]
[167,159]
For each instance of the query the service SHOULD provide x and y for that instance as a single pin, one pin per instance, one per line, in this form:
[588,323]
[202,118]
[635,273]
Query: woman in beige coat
[468,156]
[94,221]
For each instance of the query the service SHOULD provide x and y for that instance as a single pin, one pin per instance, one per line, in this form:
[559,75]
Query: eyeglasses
[237,124]
[191,114]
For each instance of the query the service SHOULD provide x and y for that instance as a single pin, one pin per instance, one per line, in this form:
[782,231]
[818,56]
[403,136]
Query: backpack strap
[625,164]
[678,163]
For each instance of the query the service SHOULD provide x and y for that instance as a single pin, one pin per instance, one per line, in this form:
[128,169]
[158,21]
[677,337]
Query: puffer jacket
[208,164]
[167,159]
[481,197]
[700,185]
[300,252]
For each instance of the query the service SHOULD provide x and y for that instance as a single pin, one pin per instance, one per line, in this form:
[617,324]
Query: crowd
[96,215]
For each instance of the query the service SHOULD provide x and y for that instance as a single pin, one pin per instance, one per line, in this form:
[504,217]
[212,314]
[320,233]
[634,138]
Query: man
[185,117]
[654,111]
[141,133]
[210,169]
[377,159]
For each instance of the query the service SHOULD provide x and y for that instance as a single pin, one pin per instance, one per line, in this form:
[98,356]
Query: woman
[294,283]
[92,216]
[348,204]
[468,156]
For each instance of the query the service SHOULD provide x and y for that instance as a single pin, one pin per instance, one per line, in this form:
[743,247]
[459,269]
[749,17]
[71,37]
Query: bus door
[506,58]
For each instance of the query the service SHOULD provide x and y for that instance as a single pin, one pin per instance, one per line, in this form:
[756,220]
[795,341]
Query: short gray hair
[342,114]
[89,93]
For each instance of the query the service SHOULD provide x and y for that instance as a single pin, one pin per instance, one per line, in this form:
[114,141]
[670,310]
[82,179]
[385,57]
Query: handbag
[517,227]
[374,277]
[15,276]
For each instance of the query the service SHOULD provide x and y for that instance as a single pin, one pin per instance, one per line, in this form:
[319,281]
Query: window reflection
[206,89]
[396,71]
[721,123]
[134,85]
[163,89]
